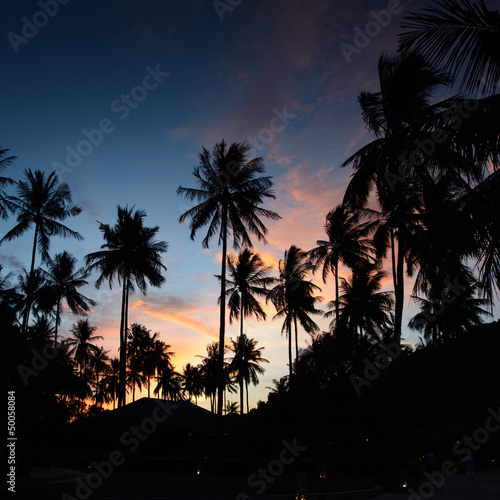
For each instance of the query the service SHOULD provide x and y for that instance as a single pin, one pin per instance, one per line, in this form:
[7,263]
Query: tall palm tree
[131,255]
[229,197]
[62,282]
[347,243]
[461,34]
[81,343]
[245,363]
[248,277]
[293,297]
[5,181]
[41,201]
[395,115]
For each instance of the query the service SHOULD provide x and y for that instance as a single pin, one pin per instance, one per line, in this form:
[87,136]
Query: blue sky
[161,79]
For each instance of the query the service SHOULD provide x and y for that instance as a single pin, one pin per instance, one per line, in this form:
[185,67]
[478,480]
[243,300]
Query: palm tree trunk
[221,384]
[57,321]
[337,315]
[241,394]
[246,387]
[241,314]
[32,271]
[296,341]
[123,335]
[290,353]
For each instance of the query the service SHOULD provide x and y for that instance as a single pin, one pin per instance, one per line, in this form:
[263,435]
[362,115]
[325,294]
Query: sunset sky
[162,79]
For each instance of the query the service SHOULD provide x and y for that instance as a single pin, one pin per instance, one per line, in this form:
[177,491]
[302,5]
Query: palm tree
[9,297]
[293,297]
[156,360]
[98,362]
[135,375]
[248,277]
[364,310]
[231,408]
[169,383]
[131,255]
[112,378]
[347,243]
[81,343]
[62,282]
[245,363]
[43,202]
[192,382]
[395,115]
[462,34]
[29,295]
[209,371]
[229,196]
[5,181]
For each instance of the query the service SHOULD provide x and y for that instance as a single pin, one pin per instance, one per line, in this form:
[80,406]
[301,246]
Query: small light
[405,484]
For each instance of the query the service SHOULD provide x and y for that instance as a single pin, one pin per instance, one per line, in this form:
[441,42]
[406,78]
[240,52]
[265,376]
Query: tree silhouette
[131,255]
[5,205]
[245,363]
[229,196]
[43,202]
[193,381]
[248,277]
[81,343]
[62,282]
[293,297]
[364,310]
[462,34]
[347,243]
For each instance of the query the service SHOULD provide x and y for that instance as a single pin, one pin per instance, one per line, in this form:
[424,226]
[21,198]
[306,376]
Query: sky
[120,96]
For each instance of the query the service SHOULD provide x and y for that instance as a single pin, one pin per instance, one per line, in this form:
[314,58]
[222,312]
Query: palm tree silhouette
[463,35]
[229,196]
[5,205]
[111,379]
[29,296]
[364,310]
[248,277]
[81,343]
[209,371]
[135,375]
[347,243]
[293,297]
[43,202]
[193,382]
[133,257]
[62,282]
[395,115]
[98,364]
[245,363]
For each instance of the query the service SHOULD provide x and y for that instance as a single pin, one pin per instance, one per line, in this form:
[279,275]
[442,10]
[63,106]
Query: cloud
[180,133]
[167,314]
